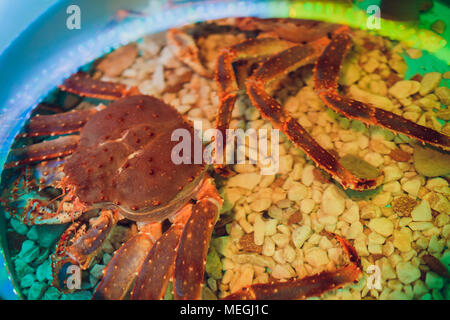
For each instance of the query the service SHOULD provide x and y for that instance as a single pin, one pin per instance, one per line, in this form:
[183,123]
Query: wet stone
[97,271]
[106,258]
[359,167]
[426,296]
[434,281]
[402,240]
[381,225]
[333,202]
[91,284]
[33,234]
[27,281]
[36,290]
[29,251]
[43,255]
[19,227]
[78,295]
[422,212]
[51,294]
[300,235]
[7,215]
[404,205]
[213,264]
[22,268]
[48,235]
[407,272]
[429,82]
[404,88]
[431,162]
[44,271]
[245,180]
[443,94]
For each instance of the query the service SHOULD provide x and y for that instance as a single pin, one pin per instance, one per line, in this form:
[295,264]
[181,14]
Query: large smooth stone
[431,162]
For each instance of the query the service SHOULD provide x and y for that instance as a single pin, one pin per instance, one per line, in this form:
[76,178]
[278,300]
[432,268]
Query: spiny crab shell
[123,160]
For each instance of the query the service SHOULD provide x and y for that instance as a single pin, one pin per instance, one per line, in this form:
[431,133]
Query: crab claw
[62,268]
[37,204]
[78,245]
[84,248]
[60,261]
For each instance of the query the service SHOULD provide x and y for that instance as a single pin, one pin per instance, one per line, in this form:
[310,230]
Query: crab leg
[326,84]
[50,173]
[39,211]
[270,109]
[226,78]
[274,67]
[228,84]
[82,84]
[157,269]
[120,273]
[310,286]
[178,253]
[254,48]
[50,149]
[60,123]
[324,159]
[194,243]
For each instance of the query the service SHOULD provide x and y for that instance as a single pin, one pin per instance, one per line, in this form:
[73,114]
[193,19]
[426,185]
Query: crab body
[123,160]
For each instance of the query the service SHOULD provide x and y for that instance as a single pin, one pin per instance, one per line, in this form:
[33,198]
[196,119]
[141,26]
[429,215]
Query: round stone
[407,272]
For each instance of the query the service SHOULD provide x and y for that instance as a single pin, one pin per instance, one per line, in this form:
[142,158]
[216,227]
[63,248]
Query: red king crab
[121,164]
[282,46]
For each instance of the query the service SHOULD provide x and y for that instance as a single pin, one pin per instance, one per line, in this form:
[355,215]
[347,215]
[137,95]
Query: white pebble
[407,272]
[333,202]
[307,175]
[422,212]
[297,192]
[383,226]
[307,205]
[259,228]
[316,257]
[300,235]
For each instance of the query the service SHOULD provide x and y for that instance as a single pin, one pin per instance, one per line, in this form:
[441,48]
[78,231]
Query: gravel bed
[271,227]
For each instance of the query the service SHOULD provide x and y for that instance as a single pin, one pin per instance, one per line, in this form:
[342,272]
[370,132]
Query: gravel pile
[274,223]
